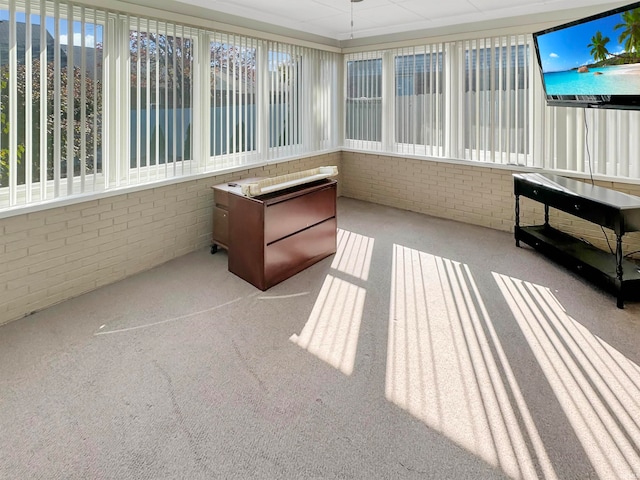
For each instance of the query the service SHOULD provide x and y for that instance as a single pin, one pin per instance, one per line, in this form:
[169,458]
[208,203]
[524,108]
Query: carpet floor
[424,348]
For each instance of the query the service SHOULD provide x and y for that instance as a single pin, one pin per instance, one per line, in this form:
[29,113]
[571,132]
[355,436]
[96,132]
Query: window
[285,80]
[467,99]
[496,100]
[94,100]
[322,100]
[50,102]
[363,103]
[161,97]
[233,63]
[419,100]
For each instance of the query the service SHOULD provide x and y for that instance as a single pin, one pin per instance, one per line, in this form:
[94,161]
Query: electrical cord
[586,142]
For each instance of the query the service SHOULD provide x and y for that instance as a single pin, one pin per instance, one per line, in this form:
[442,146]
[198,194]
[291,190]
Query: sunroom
[118,117]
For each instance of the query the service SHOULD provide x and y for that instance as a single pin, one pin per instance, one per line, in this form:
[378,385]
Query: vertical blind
[592,141]
[481,100]
[233,93]
[285,82]
[161,99]
[93,100]
[363,101]
[466,99]
[419,100]
[496,99]
[51,101]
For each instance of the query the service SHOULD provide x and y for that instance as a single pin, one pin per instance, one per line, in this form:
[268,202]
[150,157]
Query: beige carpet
[424,348]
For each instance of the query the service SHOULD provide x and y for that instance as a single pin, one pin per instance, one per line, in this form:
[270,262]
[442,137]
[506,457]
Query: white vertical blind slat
[174,102]
[57,103]
[234,102]
[244,95]
[501,95]
[70,85]
[494,98]
[83,98]
[165,116]
[478,126]
[298,100]
[633,124]
[598,138]
[623,120]
[508,106]
[97,95]
[293,103]
[145,163]
[516,94]
[44,131]
[28,120]
[438,123]
[184,47]
[13,104]
[138,79]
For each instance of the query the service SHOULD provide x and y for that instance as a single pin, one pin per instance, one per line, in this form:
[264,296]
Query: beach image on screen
[598,57]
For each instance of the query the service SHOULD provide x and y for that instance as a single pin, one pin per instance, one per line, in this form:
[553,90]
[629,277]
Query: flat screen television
[594,61]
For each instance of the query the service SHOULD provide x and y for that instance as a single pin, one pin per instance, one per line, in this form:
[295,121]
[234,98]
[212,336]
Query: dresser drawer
[297,252]
[220,226]
[295,214]
[221,197]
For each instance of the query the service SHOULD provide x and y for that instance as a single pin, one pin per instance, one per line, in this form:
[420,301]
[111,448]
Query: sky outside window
[93,35]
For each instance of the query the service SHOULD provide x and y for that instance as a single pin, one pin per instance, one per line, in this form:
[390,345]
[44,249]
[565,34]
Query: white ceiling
[332,18]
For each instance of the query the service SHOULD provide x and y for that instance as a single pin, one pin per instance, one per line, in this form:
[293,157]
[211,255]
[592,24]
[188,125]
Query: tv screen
[593,61]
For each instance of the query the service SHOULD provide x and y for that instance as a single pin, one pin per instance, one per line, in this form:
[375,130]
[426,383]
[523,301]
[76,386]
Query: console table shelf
[615,210]
[592,263]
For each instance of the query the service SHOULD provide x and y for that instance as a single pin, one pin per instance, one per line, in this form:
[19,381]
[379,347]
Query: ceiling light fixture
[352,2]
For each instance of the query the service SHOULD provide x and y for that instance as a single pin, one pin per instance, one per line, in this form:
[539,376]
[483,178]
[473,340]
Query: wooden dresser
[271,237]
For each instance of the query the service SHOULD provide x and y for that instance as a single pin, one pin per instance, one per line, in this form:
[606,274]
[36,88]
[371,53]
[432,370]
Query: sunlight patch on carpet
[597,387]
[446,366]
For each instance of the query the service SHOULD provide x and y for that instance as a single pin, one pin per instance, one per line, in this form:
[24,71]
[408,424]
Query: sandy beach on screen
[630,69]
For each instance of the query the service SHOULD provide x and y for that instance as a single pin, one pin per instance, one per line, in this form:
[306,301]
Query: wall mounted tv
[594,61]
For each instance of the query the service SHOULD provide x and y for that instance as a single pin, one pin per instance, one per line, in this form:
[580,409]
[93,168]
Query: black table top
[586,190]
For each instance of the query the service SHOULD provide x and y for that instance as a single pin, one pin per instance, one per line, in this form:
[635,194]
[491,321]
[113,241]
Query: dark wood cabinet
[272,237]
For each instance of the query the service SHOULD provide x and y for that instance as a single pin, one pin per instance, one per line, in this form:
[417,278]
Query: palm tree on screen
[598,46]
[630,36]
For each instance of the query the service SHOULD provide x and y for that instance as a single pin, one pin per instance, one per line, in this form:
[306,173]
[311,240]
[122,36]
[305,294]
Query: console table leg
[546,215]
[619,272]
[517,227]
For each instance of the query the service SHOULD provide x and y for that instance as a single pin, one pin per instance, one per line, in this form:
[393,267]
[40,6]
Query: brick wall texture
[55,254]
[476,194]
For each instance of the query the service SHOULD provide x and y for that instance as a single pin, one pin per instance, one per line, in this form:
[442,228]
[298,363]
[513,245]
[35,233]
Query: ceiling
[332,18]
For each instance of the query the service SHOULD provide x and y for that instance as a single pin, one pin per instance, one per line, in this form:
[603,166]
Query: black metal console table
[611,209]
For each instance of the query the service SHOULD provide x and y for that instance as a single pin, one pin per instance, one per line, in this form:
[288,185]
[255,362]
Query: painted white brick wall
[56,254]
